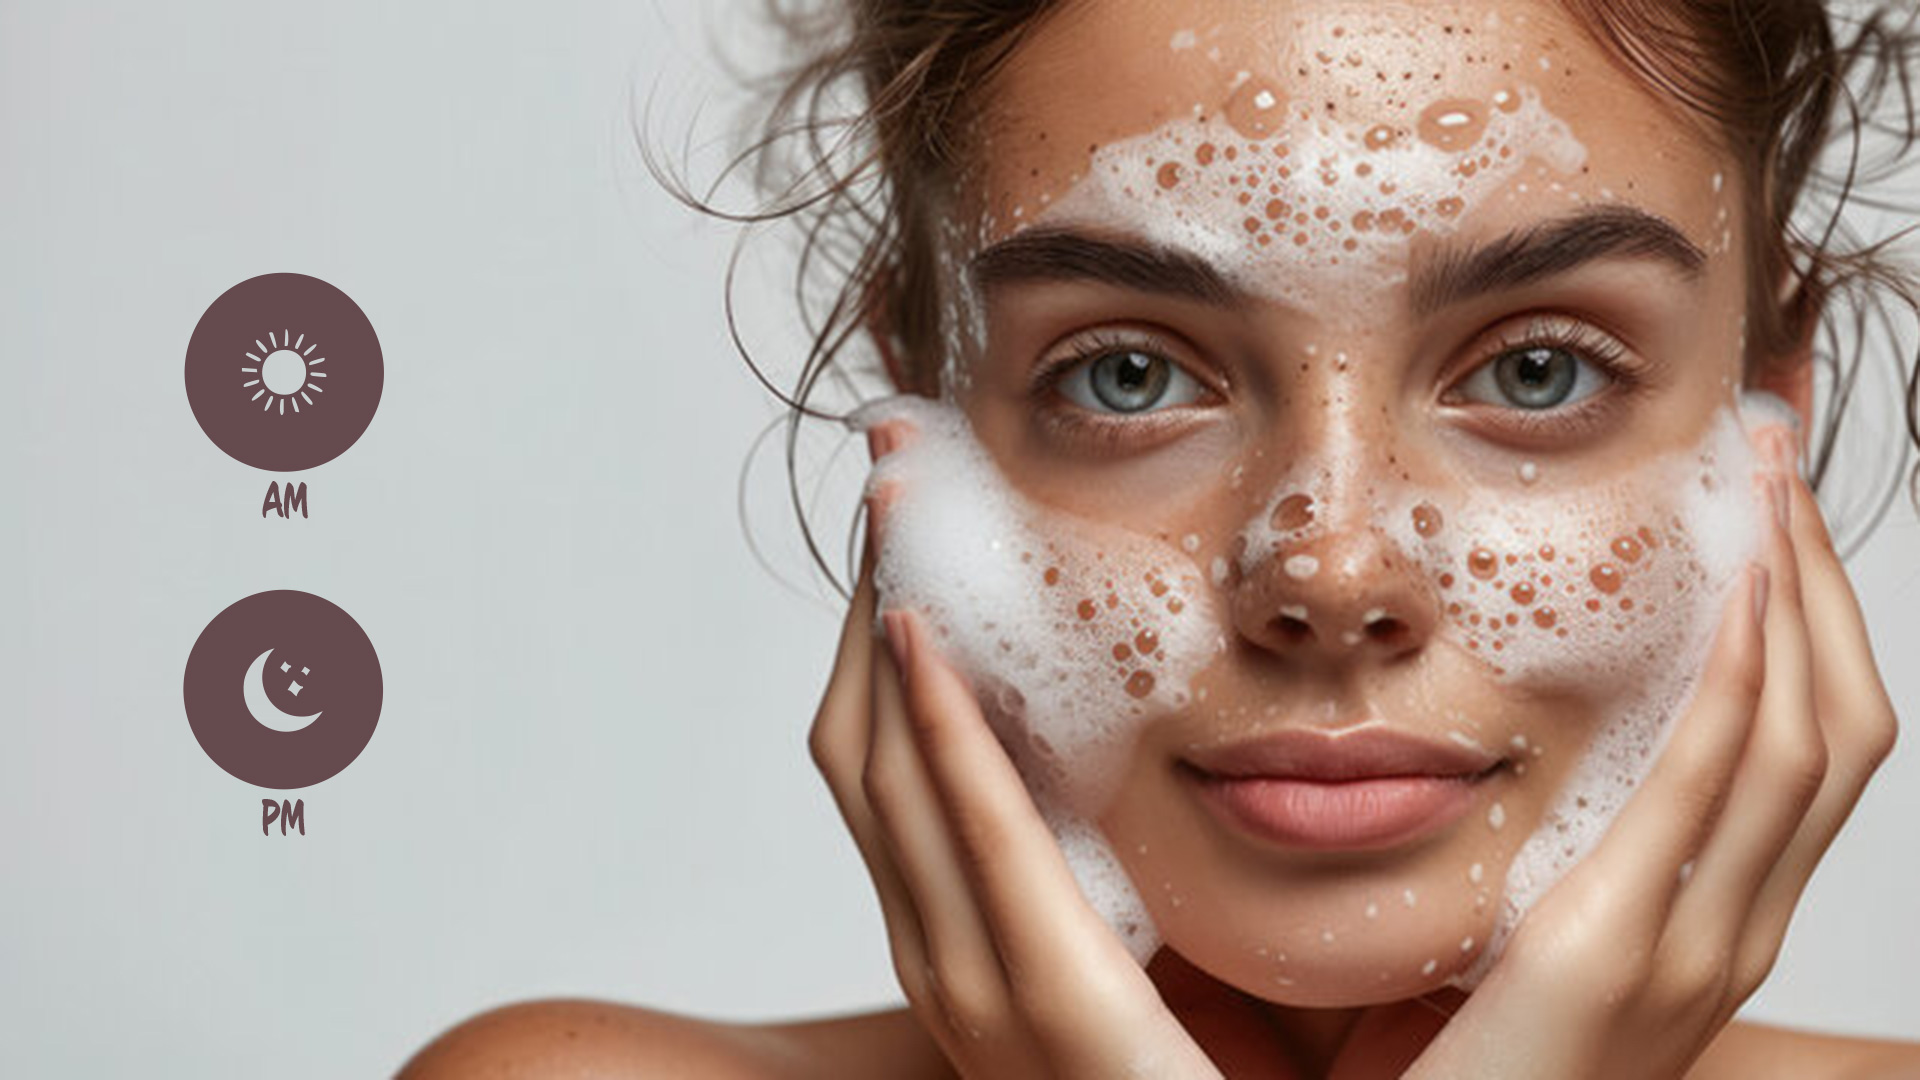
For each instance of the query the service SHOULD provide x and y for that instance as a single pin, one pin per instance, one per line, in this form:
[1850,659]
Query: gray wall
[589,776]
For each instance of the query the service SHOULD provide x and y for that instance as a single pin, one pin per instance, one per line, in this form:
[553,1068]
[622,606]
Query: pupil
[1129,381]
[1537,378]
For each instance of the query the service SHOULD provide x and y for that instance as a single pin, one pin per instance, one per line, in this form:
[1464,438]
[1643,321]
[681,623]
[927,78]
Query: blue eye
[1128,381]
[1534,378]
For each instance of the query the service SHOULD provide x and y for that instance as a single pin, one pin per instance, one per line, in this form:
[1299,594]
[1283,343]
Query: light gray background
[589,776]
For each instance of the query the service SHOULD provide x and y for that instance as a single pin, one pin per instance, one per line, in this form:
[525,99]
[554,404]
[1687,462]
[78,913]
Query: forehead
[1241,116]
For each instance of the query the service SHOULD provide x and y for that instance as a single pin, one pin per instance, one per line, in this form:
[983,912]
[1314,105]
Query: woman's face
[1387,353]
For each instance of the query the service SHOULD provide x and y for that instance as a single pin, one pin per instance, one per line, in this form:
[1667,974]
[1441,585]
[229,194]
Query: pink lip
[1370,789]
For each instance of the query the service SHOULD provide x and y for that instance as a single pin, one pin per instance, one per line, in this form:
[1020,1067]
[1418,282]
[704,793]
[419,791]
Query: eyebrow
[1058,254]
[1543,250]
[1521,257]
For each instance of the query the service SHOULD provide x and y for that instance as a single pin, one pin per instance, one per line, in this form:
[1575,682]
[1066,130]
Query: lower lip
[1350,815]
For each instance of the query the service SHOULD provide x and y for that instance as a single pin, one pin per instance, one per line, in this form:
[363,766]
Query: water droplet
[1294,512]
[1140,684]
[1427,520]
[1452,124]
[1482,564]
[1254,110]
[1606,578]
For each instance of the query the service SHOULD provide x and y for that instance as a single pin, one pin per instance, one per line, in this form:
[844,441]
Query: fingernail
[1760,594]
[881,441]
[1788,448]
[872,504]
[897,640]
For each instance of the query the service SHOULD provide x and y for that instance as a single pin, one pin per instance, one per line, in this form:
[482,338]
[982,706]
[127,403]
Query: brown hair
[861,131]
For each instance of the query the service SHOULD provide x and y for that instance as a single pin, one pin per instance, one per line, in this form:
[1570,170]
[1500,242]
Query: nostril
[1386,630]
[1293,629]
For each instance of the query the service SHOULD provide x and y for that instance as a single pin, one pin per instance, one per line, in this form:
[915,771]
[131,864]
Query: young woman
[1325,611]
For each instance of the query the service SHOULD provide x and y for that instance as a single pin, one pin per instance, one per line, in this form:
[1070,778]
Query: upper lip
[1365,753]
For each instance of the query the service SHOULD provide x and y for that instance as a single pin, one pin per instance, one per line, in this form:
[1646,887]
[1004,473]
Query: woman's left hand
[1634,963]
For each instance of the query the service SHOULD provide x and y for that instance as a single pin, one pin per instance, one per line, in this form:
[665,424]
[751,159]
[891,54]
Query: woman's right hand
[1002,960]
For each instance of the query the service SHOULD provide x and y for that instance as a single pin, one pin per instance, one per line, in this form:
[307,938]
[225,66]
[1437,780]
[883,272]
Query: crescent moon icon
[262,708]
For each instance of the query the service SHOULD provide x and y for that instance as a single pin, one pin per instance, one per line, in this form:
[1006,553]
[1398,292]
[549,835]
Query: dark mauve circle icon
[284,372]
[283,689]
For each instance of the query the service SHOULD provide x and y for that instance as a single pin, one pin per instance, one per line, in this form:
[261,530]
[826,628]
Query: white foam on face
[1621,606]
[1074,633]
[1721,520]
[1264,183]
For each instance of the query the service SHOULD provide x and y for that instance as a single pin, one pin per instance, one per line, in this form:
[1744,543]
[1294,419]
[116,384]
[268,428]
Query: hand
[1001,958]
[1633,963]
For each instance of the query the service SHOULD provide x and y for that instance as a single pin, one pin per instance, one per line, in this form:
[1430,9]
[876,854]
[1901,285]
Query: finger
[1848,691]
[839,742]
[964,967]
[1856,717]
[842,731]
[842,726]
[1050,939]
[882,440]
[891,785]
[1779,773]
[1636,869]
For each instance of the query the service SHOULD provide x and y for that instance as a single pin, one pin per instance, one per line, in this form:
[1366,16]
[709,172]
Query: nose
[1335,593]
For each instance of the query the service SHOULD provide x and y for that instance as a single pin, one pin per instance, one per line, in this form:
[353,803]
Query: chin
[1289,961]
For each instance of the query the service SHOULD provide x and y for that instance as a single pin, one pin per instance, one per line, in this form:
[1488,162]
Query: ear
[1790,377]
[879,330]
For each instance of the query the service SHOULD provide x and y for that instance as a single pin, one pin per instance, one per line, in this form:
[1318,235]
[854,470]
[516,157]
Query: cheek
[1074,633]
[1584,589]
[1605,599]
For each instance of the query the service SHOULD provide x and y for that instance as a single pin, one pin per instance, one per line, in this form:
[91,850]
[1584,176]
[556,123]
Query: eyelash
[1625,373]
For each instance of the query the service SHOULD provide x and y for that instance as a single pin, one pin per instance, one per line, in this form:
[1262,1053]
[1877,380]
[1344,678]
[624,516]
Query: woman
[1323,467]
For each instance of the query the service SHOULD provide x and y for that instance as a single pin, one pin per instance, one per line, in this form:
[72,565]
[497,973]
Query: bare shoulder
[1749,1051]
[602,1040]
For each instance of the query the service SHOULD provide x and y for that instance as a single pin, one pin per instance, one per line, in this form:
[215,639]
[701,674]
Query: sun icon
[285,372]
